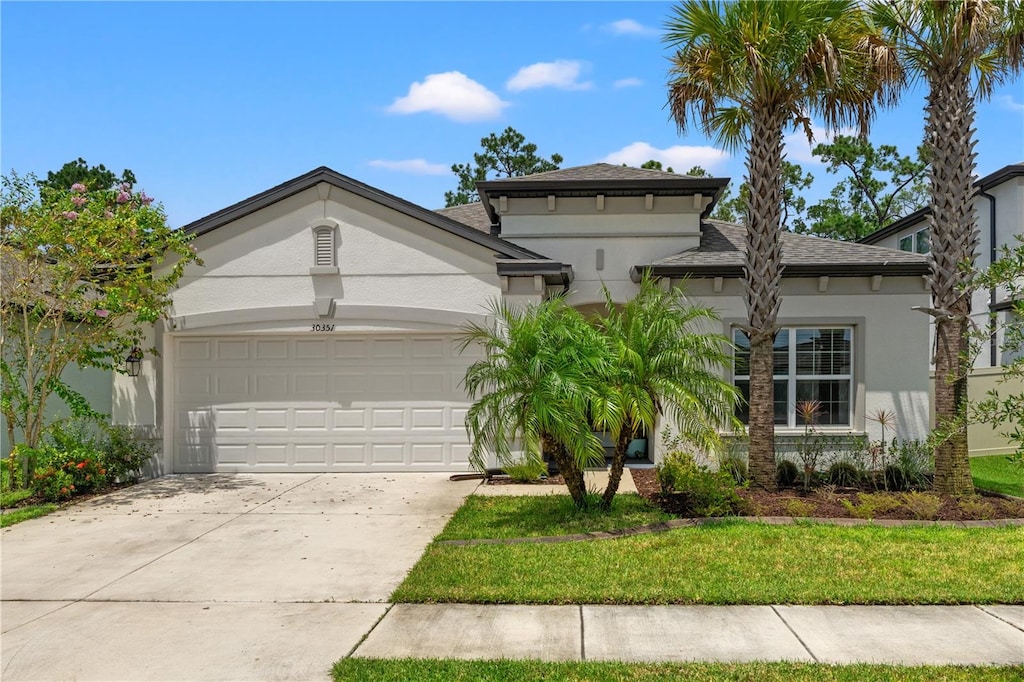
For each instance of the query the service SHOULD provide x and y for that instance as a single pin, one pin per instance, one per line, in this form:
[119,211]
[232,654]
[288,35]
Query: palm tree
[962,49]
[748,70]
[542,372]
[662,362]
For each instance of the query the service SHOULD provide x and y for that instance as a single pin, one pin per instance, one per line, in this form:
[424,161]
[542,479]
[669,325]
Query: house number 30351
[323,328]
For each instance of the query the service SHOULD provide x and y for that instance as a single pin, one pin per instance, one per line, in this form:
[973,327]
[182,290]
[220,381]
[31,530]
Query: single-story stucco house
[321,332]
[999,207]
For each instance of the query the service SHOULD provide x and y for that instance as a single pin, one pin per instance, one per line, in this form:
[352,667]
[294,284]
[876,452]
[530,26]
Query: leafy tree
[882,187]
[663,364]
[748,70]
[78,288]
[652,164]
[961,49]
[79,172]
[535,387]
[1002,407]
[505,156]
[733,209]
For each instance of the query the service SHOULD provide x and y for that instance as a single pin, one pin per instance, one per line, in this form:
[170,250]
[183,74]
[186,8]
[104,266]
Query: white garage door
[319,403]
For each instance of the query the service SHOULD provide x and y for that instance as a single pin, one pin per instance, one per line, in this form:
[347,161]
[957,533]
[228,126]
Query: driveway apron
[213,577]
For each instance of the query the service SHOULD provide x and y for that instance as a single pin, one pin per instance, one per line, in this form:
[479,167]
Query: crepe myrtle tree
[79,288]
[749,70]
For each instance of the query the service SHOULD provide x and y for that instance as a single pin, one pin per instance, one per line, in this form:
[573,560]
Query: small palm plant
[541,373]
[810,445]
[665,364]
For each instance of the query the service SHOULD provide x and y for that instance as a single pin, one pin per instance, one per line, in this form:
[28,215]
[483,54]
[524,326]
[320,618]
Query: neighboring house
[322,332]
[999,207]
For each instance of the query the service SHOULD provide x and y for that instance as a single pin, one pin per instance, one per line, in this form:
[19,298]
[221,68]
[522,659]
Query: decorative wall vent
[325,247]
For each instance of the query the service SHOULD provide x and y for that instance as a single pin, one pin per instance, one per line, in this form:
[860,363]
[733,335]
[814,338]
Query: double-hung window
[810,363]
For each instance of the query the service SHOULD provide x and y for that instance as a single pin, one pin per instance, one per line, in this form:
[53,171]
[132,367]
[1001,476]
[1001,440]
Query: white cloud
[680,157]
[452,94]
[797,148]
[1008,102]
[628,83]
[629,27]
[562,74]
[414,166]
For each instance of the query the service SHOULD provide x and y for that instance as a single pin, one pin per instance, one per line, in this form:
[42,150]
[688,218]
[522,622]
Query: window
[811,363]
[916,243]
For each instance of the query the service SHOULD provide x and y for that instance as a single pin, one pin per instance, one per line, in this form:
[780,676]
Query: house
[321,334]
[999,207]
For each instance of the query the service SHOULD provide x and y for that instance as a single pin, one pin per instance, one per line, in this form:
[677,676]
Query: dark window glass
[833,397]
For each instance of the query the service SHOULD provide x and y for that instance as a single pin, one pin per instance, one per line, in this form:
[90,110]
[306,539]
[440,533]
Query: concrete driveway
[214,577]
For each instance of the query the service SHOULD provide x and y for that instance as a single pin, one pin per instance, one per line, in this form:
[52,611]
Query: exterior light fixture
[133,362]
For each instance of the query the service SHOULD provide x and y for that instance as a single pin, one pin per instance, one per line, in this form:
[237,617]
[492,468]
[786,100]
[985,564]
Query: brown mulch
[827,503]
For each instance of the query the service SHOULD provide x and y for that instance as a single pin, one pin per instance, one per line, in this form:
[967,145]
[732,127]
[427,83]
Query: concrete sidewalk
[909,635]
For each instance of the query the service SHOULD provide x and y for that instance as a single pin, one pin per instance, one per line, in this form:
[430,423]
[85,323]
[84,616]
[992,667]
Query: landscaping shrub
[52,484]
[527,470]
[844,474]
[796,507]
[734,460]
[895,478]
[704,492]
[85,466]
[870,504]
[915,461]
[923,506]
[786,473]
[125,455]
[977,508]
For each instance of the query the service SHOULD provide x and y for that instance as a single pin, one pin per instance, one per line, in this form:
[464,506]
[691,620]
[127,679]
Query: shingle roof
[722,249]
[472,215]
[598,171]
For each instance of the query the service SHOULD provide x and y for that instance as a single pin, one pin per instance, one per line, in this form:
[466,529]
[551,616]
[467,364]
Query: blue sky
[209,103]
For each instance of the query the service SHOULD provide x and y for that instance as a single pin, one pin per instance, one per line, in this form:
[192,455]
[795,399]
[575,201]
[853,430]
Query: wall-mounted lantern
[133,362]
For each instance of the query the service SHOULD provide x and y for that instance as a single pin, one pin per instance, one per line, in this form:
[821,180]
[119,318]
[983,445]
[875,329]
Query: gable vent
[324,247]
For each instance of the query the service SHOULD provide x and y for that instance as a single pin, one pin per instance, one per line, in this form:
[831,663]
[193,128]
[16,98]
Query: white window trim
[792,377]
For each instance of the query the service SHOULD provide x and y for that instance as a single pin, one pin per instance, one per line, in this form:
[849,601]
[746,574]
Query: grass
[25,513]
[730,562]
[520,517]
[455,671]
[998,473]
[13,497]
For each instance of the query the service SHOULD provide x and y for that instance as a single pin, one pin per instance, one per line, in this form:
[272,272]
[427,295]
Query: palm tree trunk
[954,242]
[626,436]
[571,473]
[761,285]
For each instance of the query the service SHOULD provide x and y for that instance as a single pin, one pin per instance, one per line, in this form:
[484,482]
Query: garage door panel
[271,349]
[311,350]
[311,419]
[347,420]
[310,384]
[231,349]
[320,404]
[269,420]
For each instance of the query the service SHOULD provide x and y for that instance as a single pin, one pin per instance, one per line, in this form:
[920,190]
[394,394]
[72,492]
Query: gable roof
[473,215]
[722,249]
[598,171]
[989,181]
[332,177]
[599,178]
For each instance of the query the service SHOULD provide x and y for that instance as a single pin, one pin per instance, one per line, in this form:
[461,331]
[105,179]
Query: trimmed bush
[844,474]
[786,473]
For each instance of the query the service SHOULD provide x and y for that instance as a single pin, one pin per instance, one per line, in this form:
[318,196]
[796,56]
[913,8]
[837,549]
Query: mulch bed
[827,504]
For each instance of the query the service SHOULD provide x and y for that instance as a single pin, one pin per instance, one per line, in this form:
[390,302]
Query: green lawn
[520,517]
[731,562]
[455,671]
[20,514]
[998,473]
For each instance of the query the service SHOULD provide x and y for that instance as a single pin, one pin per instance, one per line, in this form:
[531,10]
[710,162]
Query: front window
[810,363]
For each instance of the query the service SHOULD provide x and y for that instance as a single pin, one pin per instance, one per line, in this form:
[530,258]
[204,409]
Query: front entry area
[319,403]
